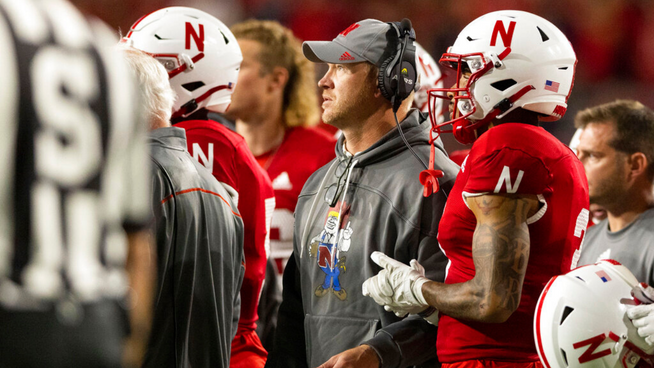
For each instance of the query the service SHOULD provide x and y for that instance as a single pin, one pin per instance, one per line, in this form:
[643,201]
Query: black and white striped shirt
[73,160]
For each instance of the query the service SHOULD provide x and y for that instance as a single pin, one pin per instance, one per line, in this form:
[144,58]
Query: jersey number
[68,154]
[580,232]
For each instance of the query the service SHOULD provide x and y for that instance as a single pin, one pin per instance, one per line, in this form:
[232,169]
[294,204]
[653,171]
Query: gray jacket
[199,236]
[323,311]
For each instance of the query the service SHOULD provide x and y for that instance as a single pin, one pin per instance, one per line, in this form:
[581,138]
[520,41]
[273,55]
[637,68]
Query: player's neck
[627,209]
[519,116]
[359,137]
[264,134]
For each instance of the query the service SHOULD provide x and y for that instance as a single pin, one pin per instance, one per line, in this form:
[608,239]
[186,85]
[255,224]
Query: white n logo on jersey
[200,157]
[506,178]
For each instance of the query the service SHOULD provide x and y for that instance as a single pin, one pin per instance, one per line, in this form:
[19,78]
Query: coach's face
[606,168]
[349,93]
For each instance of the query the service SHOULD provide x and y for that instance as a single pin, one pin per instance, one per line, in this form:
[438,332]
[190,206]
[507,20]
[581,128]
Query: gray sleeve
[409,342]
[236,311]
[162,203]
[412,341]
[239,274]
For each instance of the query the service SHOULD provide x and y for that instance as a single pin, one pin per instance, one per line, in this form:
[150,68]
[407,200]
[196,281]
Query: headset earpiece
[397,74]
[385,83]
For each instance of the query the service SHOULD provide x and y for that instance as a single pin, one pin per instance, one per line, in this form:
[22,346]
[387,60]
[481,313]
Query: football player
[202,58]
[518,211]
[276,108]
[73,192]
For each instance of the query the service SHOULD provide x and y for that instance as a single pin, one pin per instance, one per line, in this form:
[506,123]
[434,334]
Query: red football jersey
[303,151]
[226,155]
[521,159]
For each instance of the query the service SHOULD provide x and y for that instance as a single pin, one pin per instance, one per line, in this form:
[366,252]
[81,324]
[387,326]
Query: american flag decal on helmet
[551,86]
[603,275]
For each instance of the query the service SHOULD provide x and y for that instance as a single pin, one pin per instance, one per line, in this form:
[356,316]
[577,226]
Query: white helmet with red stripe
[516,59]
[429,76]
[581,319]
[199,52]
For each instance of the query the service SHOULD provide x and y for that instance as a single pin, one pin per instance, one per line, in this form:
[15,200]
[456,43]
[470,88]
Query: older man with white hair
[199,237]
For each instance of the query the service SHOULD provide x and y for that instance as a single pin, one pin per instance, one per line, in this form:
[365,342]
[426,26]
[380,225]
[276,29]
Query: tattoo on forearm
[501,251]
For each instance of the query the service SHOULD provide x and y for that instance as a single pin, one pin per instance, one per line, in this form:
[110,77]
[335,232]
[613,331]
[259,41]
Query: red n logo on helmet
[594,342]
[507,35]
[198,39]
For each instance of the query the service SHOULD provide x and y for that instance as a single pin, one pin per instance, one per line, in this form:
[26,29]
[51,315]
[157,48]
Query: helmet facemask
[474,65]
[468,116]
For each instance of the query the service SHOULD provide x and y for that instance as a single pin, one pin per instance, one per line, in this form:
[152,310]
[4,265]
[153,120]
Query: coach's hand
[397,287]
[360,357]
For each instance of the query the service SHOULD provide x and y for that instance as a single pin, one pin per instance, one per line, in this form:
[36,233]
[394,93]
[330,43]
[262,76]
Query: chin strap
[429,177]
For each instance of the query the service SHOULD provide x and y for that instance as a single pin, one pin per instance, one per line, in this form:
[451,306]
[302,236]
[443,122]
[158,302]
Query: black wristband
[427,312]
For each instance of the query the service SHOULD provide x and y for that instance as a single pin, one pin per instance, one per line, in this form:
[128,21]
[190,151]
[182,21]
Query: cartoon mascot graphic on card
[329,247]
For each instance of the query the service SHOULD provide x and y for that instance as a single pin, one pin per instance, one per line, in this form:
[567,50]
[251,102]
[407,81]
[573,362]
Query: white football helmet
[581,319]
[429,76]
[199,52]
[516,59]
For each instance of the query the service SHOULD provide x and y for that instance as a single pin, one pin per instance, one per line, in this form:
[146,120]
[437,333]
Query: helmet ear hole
[565,357]
[543,36]
[566,312]
[503,84]
[192,86]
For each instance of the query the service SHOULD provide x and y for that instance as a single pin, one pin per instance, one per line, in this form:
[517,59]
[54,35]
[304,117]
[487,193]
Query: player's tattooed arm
[500,251]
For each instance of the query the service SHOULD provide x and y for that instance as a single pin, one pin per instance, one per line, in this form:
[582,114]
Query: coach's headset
[396,80]
[397,75]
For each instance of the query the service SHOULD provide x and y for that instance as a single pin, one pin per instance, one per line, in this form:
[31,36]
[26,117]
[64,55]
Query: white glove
[642,316]
[397,287]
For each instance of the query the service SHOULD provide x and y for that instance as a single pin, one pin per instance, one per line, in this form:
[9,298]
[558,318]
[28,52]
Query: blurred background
[613,39]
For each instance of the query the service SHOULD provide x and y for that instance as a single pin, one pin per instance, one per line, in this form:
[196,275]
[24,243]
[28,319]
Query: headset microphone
[398,77]
[402,70]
